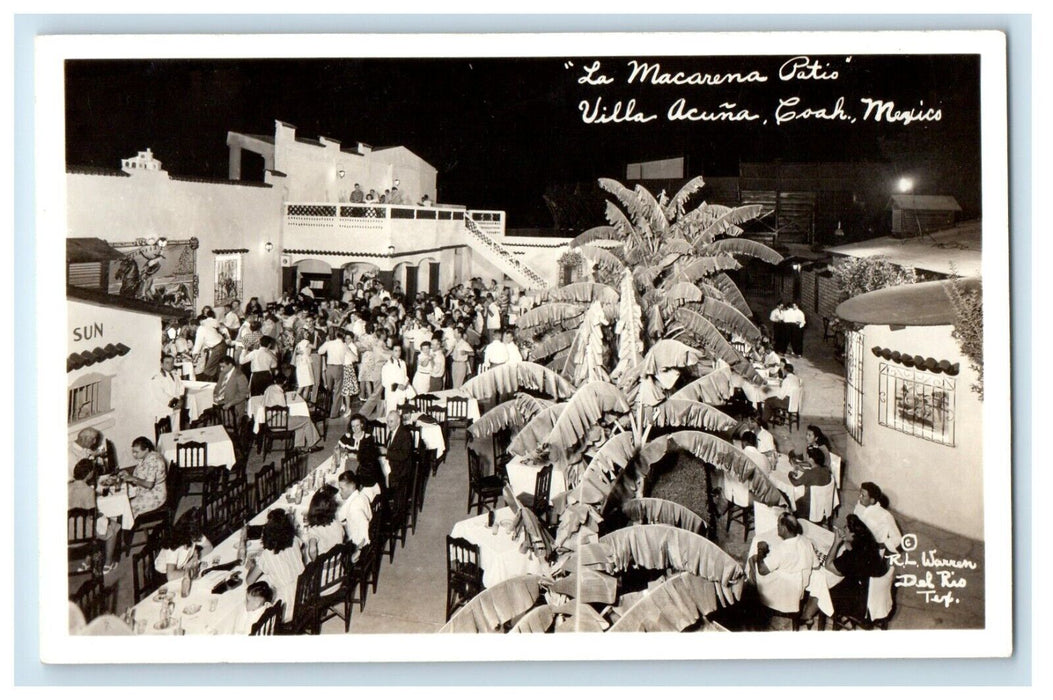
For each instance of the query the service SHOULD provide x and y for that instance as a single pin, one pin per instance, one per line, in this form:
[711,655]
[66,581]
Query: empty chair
[365,571]
[146,578]
[334,591]
[482,490]
[464,577]
[423,402]
[192,462]
[85,552]
[740,503]
[275,429]
[265,487]
[539,500]
[821,502]
[397,520]
[95,599]
[879,598]
[323,404]
[457,413]
[270,622]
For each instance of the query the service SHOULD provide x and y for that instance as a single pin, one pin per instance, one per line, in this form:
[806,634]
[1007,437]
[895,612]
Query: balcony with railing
[371,229]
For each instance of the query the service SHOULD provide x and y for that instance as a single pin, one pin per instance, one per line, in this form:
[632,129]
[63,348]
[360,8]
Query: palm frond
[731,292]
[596,233]
[591,403]
[629,328]
[616,217]
[680,293]
[533,434]
[675,246]
[550,314]
[718,452]
[672,606]
[581,293]
[626,196]
[669,354]
[684,413]
[708,336]
[495,606]
[743,246]
[601,257]
[658,511]
[675,208]
[509,379]
[663,547]
[608,462]
[727,318]
[551,345]
[537,621]
[503,415]
[588,347]
[706,266]
[728,224]
[713,388]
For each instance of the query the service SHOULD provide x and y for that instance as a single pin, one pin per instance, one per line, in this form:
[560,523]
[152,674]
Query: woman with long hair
[280,562]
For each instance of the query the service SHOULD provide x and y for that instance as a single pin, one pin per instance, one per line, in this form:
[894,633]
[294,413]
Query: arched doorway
[355,272]
[428,276]
[315,275]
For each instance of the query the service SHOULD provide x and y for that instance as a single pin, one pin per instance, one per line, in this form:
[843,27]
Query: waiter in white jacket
[166,389]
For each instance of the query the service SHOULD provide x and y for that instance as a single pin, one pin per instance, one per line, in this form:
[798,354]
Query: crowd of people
[391,195]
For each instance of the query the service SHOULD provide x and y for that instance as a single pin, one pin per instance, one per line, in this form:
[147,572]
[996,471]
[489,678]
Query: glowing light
[905,184]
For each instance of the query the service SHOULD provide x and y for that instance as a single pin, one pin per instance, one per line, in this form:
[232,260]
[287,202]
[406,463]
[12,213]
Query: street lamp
[905,184]
[391,251]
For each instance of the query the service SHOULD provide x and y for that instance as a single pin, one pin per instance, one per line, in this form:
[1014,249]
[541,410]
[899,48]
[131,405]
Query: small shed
[915,214]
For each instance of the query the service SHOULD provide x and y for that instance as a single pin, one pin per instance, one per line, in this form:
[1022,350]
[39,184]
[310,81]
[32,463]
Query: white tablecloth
[431,434]
[780,477]
[229,604]
[199,397]
[499,554]
[755,393]
[473,404]
[220,448]
[522,476]
[297,407]
[775,586]
[116,505]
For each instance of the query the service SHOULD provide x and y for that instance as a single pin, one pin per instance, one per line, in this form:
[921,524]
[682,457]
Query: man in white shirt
[394,371]
[231,321]
[749,447]
[788,396]
[209,338]
[166,389]
[783,570]
[334,350]
[879,521]
[355,512]
[779,334]
[396,395]
[514,356]
[493,317]
[794,320]
[495,354]
[438,366]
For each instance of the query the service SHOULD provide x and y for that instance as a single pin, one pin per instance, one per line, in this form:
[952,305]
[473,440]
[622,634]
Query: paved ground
[411,593]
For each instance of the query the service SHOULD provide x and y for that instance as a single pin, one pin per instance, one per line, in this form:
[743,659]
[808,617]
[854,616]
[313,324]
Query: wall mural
[228,278]
[157,270]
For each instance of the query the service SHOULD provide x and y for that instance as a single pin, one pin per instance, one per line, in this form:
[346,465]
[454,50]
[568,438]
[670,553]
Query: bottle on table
[243,545]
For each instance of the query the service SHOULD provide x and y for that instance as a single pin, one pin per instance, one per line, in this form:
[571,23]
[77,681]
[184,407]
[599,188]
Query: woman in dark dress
[814,473]
[855,556]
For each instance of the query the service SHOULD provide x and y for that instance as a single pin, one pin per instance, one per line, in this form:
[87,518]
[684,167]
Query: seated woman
[258,597]
[82,495]
[322,531]
[814,473]
[854,558]
[281,561]
[816,438]
[148,475]
[184,548]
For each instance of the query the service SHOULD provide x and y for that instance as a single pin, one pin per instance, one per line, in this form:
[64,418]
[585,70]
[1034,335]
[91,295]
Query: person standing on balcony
[357,195]
[395,197]
[424,201]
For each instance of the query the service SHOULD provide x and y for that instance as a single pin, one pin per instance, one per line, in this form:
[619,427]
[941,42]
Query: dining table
[775,585]
[757,393]
[522,477]
[304,431]
[203,612]
[113,499]
[780,478]
[220,448]
[501,554]
[199,397]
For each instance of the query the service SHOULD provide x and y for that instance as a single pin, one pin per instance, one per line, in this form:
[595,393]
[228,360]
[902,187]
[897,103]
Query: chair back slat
[457,408]
[277,417]
[266,486]
[192,455]
[422,402]
[379,431]
[95,599]
[543,486]
[80,525]
[270,622]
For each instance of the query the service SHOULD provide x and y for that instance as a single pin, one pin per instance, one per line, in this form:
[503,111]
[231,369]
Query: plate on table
[193,609]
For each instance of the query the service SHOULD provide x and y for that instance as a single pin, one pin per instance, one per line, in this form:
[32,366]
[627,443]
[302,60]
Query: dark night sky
[500,130]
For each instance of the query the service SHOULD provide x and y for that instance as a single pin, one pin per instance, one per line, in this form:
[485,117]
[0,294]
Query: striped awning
[87,358]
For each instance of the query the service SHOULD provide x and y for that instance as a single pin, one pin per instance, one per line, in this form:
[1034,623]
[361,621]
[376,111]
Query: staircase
[504,259]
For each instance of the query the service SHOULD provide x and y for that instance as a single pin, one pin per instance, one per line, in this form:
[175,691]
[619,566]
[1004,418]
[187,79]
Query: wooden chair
[276,429]
[84,550]
[270,622]
[423,402]
[740,505]
[145,578]
[501,439]
[265,488]
[323,404]
[397,518]
[482,490]
[304,614]
[229,418]
[365,572]
[293,469]
[334,589]
[539,502]
[464,577]
[457,413]
[192,463]
[95,599]
[161,427]
[379,430]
